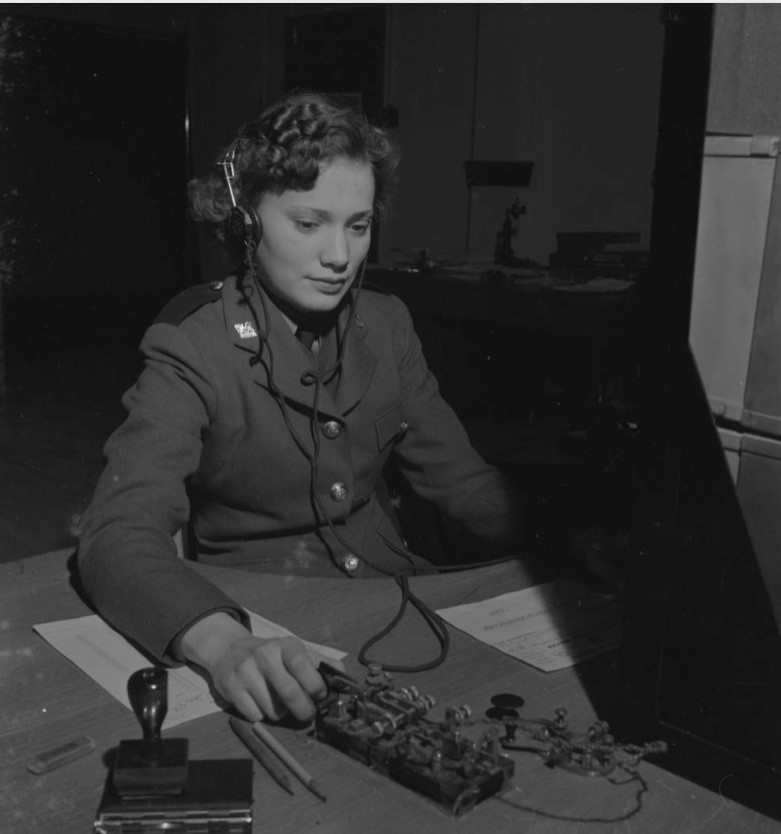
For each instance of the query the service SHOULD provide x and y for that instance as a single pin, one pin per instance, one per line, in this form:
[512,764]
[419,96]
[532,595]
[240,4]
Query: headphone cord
[434,621]
[307,378]
[400,576]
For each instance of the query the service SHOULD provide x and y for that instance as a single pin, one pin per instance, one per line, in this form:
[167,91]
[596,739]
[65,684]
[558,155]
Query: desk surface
[44,700]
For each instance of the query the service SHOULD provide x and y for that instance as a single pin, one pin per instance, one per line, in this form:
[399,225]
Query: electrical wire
[401,576]
[434,621]
[638,803]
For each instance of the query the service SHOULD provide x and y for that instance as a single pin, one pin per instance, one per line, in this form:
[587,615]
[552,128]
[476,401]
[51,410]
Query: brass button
[350,562]
[332,429]
[338,491]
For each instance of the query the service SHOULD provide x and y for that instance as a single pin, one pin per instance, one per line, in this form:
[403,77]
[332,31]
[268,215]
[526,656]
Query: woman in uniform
[268,408]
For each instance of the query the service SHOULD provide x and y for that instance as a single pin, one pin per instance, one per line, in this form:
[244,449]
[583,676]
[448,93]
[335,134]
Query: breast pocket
[388,427]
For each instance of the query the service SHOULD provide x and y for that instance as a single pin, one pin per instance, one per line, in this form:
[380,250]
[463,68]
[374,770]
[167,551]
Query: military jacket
[222,433]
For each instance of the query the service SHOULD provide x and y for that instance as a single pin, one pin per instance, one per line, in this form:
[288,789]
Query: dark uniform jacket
[220,433]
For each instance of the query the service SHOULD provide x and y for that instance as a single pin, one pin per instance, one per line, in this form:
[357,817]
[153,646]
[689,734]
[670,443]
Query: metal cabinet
[735,329]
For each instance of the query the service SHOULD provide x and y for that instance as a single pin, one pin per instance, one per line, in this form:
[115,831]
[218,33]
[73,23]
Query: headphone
[242,226]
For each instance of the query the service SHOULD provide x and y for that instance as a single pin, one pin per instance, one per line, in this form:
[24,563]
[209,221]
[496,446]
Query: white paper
[550,626]
[109,659]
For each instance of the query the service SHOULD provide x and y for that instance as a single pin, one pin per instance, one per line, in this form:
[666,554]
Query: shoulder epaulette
[188,301]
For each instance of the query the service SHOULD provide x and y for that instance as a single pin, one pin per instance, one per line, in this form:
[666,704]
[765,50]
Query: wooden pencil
[243,730]
[287,759]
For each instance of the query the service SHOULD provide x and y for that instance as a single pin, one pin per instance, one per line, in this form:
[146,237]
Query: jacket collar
[284,363]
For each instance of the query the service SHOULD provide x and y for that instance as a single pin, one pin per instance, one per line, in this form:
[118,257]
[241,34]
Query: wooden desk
[44,700]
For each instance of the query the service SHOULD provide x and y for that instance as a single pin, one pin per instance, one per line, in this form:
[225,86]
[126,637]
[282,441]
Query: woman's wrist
[206,640]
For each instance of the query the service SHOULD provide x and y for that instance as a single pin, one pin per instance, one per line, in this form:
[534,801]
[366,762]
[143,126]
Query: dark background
[97,148]
[107,110]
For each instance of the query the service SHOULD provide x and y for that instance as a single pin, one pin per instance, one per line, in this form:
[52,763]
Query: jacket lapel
[358,366]
[290,361]
[243,318]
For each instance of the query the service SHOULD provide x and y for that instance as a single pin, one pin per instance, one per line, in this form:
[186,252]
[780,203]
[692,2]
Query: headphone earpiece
[242,226]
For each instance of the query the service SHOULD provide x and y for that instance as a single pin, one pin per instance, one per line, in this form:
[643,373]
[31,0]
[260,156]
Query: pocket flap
[388,426]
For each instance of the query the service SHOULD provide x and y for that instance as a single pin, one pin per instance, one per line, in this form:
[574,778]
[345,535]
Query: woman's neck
[317,322]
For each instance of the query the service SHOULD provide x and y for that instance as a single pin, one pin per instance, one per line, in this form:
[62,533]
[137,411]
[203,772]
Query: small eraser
[61,755]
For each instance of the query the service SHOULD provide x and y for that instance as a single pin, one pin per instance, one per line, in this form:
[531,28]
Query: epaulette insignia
[188,301]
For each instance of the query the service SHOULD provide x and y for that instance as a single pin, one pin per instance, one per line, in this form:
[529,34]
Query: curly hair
[285,147]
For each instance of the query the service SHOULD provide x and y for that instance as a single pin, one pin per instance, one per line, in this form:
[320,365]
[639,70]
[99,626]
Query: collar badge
[246,330]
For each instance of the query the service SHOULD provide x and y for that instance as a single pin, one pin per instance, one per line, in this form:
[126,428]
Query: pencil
[295,768]
[244,731]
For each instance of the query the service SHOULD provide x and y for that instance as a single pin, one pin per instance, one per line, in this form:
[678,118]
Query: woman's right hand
[260,677]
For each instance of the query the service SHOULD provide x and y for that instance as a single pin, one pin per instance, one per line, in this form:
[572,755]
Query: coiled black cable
[401,576]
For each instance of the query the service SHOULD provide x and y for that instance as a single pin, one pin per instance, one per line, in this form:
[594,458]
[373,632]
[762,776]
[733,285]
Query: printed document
[110,659]
[550,626]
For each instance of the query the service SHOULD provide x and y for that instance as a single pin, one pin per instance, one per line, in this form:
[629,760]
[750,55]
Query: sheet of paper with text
[109,659]
[550,626]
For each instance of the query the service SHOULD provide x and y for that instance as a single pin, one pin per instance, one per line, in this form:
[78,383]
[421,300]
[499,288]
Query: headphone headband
[242,226]
[229,171]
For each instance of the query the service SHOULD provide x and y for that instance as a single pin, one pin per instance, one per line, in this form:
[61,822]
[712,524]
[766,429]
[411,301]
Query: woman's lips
[329,285]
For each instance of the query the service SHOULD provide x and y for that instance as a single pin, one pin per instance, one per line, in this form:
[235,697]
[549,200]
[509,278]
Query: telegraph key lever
[152,765]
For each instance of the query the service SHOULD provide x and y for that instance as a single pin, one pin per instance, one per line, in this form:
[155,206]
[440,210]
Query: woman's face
[314,241]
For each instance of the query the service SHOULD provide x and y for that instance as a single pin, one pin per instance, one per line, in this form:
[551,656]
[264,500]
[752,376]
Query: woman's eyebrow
[323,214]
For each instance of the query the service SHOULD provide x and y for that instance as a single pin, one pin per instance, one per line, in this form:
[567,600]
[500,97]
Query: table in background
[517,332]
[45,700]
